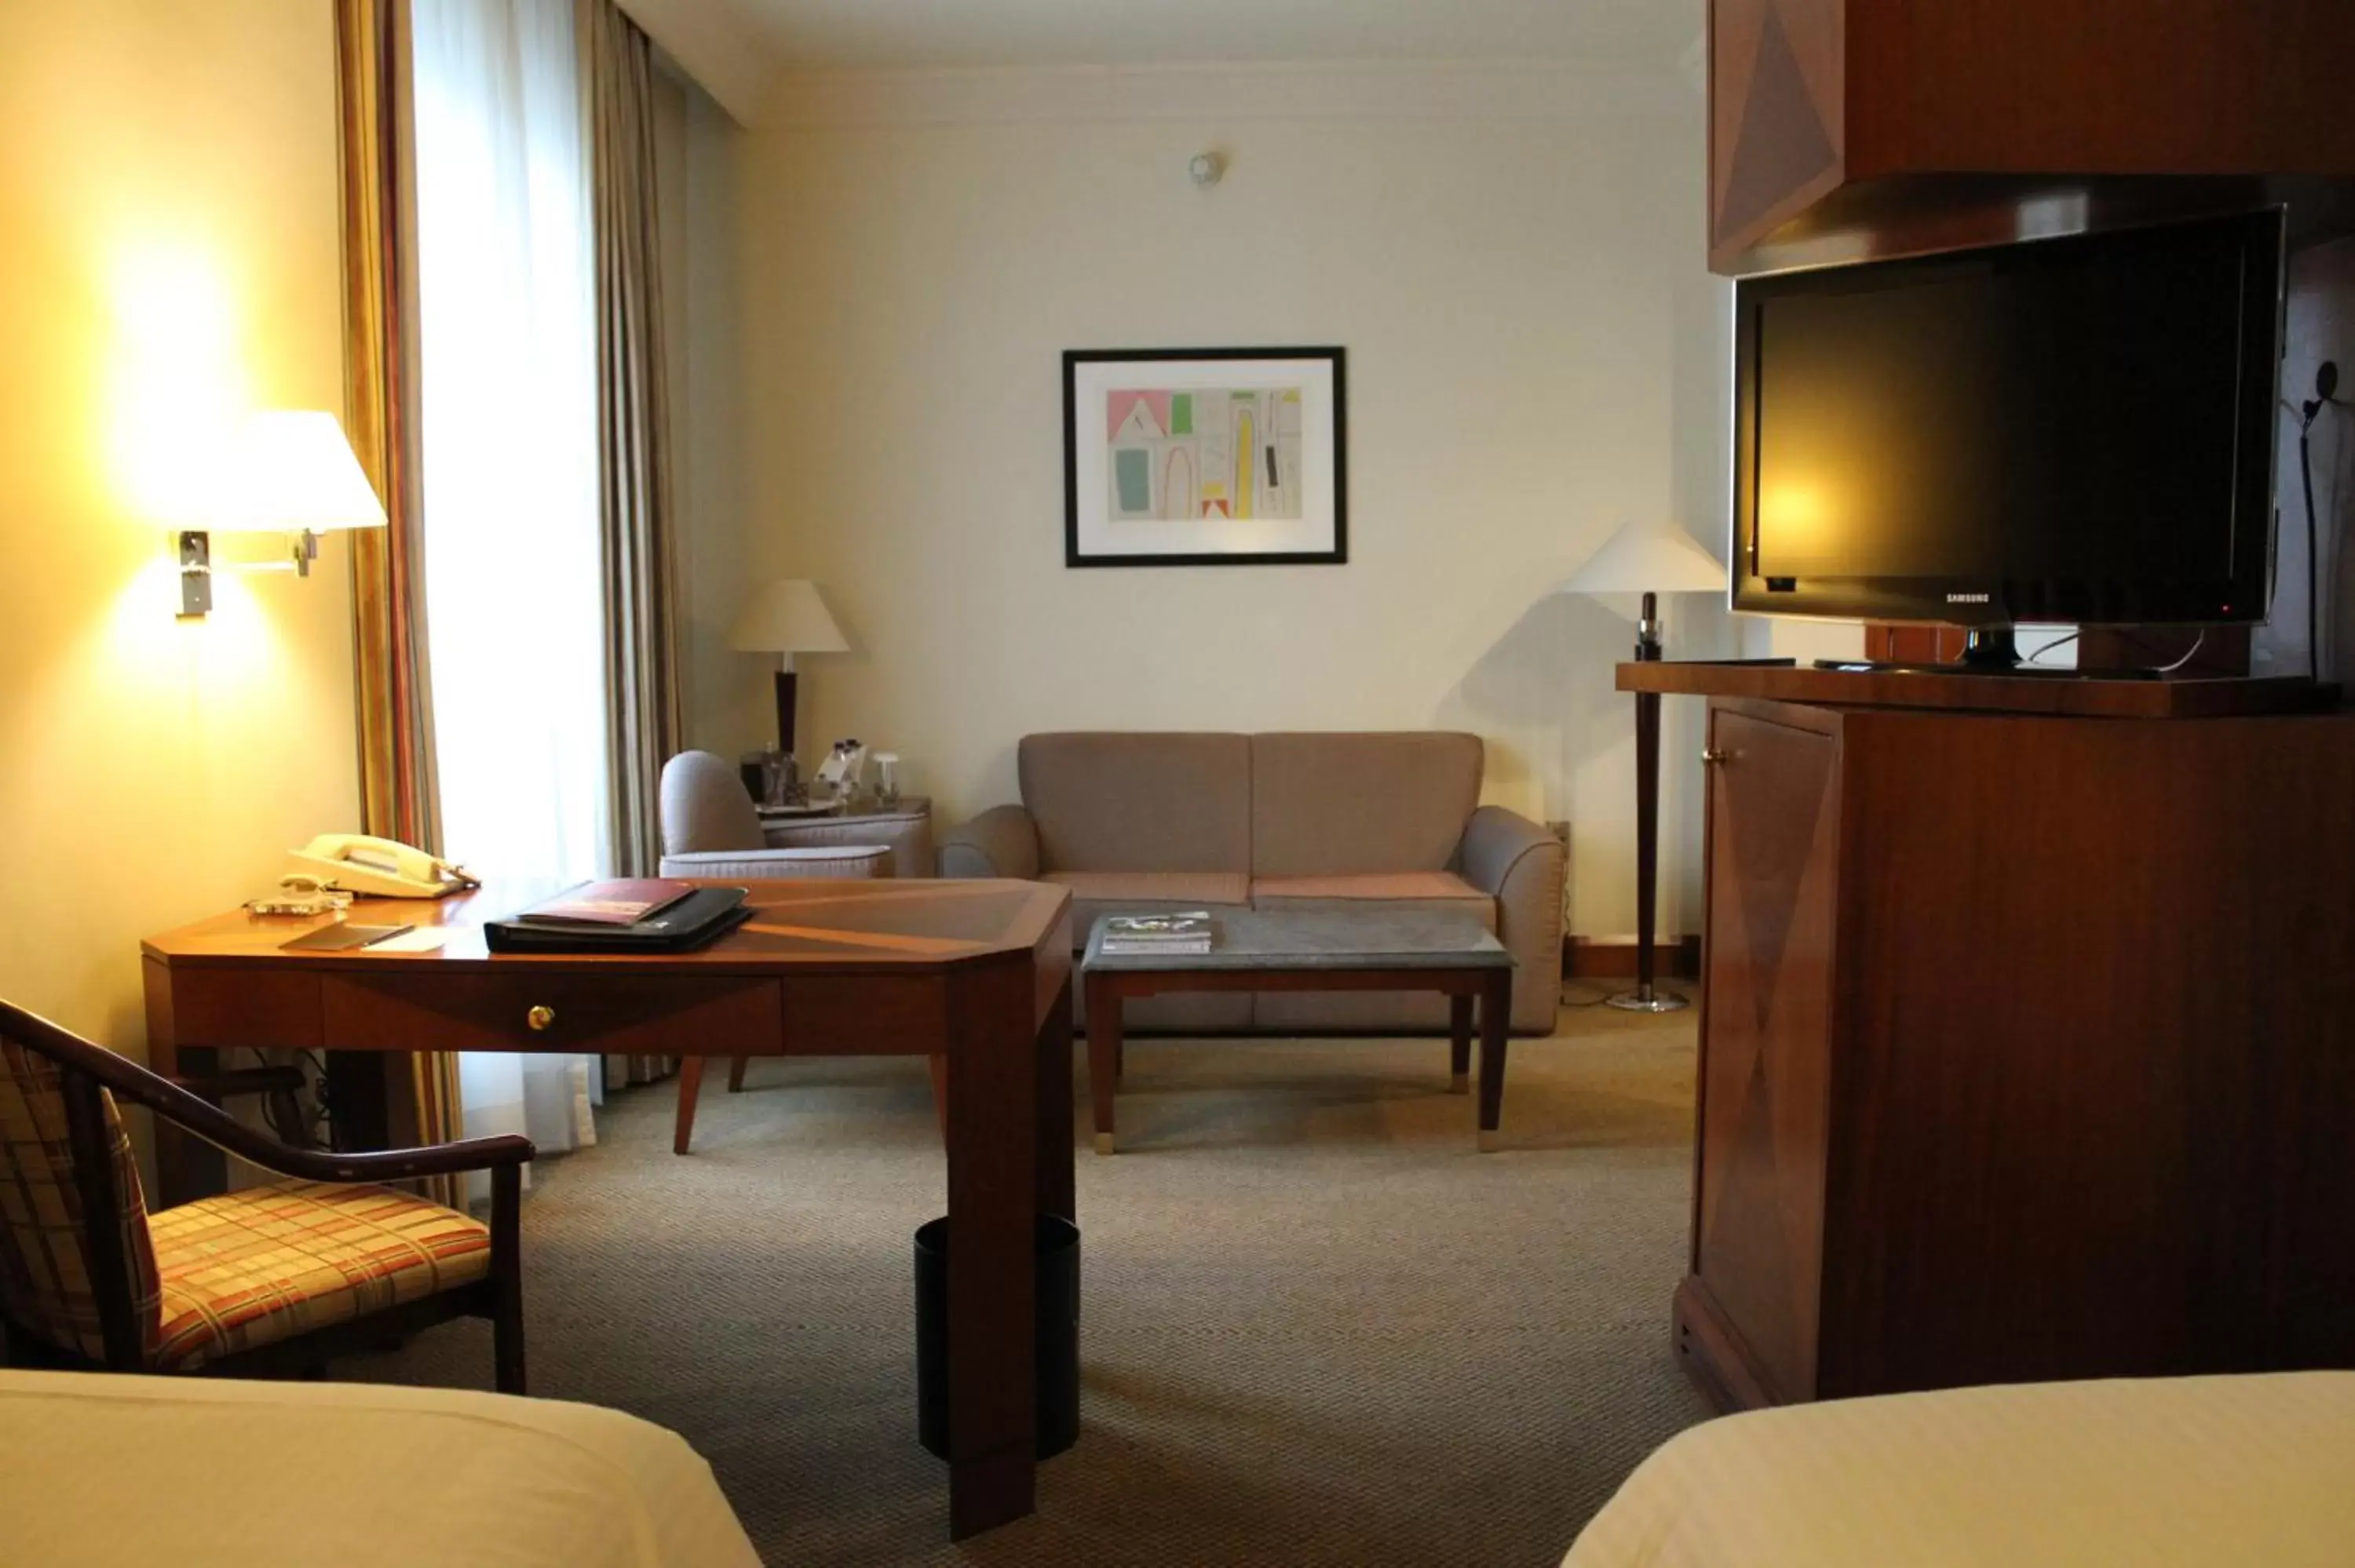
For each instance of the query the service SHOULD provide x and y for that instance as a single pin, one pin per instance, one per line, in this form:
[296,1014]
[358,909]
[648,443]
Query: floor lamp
[1651,559]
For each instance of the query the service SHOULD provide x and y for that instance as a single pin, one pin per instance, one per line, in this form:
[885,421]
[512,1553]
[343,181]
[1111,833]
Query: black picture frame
[1074,556]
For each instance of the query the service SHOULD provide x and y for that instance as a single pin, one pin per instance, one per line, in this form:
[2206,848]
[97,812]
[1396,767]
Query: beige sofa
[1151,821]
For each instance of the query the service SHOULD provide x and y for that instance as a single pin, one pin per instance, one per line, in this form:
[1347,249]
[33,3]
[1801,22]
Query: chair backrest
[49,1246]
[705,808]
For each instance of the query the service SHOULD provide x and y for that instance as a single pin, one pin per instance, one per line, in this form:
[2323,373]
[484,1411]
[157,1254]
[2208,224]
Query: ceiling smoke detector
[1206,169]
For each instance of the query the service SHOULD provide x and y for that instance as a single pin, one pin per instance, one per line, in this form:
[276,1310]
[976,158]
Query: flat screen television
[2074,430]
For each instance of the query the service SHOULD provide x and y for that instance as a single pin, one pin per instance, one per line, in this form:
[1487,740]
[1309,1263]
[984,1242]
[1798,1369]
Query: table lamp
[1651,559]
[786,617]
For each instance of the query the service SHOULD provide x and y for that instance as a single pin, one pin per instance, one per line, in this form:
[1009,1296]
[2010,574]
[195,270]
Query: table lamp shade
[786,617]
[291,471]
[1648,557]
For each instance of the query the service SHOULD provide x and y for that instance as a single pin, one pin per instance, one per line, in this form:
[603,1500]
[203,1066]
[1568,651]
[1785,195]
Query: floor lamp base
[1647,999]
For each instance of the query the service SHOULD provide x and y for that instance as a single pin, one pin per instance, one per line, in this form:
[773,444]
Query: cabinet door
[1774,852]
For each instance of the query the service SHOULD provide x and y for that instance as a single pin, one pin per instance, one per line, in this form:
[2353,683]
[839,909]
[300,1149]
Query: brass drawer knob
[540,1017]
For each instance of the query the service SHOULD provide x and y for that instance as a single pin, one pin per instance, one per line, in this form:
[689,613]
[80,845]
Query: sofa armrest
[1522,867]
[1001,842]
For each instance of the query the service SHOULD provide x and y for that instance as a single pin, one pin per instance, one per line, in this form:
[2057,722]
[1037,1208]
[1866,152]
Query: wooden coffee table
[1317,950]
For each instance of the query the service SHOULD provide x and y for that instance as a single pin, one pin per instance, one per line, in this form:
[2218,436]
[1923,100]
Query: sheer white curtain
[507,341]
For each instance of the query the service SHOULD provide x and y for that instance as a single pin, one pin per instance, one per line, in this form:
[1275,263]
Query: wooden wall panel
[1843,129]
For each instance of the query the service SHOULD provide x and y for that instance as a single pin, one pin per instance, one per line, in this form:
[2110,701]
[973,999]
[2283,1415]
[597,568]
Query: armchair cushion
[855,861]
[251,1267]
[46,1284]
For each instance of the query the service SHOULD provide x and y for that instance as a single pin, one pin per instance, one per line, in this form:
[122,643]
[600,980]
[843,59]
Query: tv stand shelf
[2167,698]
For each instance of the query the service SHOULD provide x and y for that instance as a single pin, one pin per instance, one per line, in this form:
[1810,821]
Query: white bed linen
[2202,1471]
[103,1469]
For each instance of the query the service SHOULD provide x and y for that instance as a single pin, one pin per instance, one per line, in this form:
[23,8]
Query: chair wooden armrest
[182,1107]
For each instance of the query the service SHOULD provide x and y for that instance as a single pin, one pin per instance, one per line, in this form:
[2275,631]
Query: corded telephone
[377,868]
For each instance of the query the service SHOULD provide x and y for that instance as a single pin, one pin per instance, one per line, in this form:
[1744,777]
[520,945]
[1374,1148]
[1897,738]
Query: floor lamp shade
[1648,558]
[786,617]
[1651,559]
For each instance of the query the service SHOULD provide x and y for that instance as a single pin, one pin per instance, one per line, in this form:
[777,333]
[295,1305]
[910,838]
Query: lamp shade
[786,617]
[291,471]
[1648,557]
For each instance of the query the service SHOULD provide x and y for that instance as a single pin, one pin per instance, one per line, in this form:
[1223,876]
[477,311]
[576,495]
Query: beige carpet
[1317,1327]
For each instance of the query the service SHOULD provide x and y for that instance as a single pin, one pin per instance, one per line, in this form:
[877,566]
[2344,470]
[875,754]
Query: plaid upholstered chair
[269,1281]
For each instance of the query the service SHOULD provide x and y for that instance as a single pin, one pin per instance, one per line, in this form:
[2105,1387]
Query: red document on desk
[625,902]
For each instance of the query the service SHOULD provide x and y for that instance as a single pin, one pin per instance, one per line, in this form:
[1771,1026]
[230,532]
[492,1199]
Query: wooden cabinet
[2028,1050]
[1758,1226]
[1841,128]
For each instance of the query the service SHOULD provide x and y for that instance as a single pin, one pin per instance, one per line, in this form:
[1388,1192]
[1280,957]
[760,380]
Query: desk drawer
[407,1010]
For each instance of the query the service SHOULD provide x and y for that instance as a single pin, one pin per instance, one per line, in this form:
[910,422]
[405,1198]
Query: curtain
[508,453]
[395,729]
[635,513]
[642,684]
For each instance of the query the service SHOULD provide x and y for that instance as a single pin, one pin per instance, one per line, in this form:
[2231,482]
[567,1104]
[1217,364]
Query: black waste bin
[1058,1266]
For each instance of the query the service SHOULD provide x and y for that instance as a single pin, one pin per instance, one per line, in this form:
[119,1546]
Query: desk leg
[1459,1044]
[1104,1055]
[187,1168]
[1496,1018]
[993,1174]
[1057,1186]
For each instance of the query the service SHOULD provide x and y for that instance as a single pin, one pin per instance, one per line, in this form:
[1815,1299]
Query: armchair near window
[271,1279]
[711,829]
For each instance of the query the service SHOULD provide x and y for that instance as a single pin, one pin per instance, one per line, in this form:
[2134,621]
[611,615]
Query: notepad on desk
[623,902]
[590,919]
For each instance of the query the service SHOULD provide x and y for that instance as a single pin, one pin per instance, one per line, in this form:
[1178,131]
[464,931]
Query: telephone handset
[377,868]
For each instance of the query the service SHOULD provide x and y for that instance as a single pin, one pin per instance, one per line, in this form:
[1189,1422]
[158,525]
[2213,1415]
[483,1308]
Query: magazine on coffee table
[1185,933]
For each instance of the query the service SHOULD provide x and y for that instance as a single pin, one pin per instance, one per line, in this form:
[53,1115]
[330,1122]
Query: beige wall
[1536,356]
[167,191]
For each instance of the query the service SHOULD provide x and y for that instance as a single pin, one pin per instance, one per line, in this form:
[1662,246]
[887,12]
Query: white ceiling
[885,34]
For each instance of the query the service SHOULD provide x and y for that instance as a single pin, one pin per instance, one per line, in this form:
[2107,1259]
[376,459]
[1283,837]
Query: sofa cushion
[1345,804]
[1432,890]
[1139,802]
[1096,894]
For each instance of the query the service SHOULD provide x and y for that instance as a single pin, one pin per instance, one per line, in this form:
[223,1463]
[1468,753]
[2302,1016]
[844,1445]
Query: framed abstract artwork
[1204,456]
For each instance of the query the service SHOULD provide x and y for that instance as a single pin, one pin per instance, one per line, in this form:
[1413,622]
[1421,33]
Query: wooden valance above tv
[1845,129]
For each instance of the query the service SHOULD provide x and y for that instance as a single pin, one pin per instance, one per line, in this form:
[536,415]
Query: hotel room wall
[1534,358]
[167,189]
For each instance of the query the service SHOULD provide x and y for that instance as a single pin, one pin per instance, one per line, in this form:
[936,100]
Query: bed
[2206,1470]
[100,1468]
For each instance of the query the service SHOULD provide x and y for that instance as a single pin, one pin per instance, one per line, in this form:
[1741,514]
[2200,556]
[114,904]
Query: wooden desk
[978,971]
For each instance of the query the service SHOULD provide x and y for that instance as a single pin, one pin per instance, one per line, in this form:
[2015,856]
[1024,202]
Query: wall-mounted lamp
[290,472]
